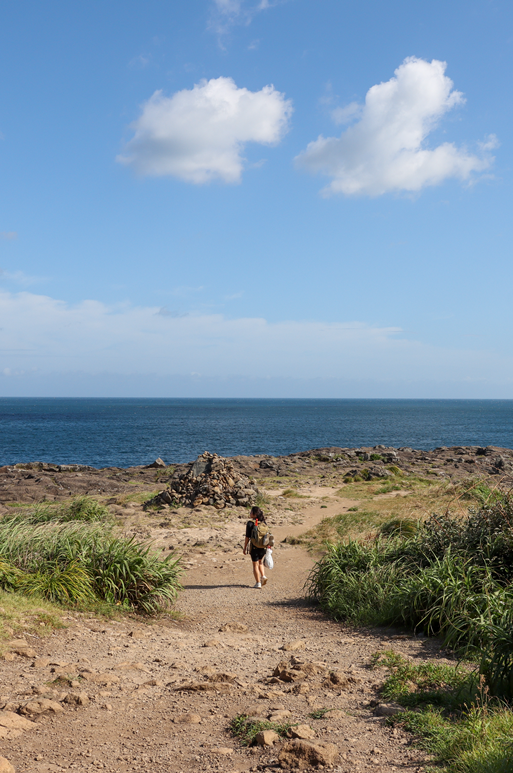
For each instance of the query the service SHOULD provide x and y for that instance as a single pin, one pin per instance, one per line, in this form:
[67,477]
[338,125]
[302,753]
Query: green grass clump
[452,578]
[388,487]
[450,713]
[319,713]
[75,561]
[422,684]
[83,509]
[247,729]
[354,518]
[399,527]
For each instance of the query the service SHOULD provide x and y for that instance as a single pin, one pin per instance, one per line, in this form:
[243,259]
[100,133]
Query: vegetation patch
[452,578]
[451,715]
[319,713]
[246,729]
[20,615]
[70,555]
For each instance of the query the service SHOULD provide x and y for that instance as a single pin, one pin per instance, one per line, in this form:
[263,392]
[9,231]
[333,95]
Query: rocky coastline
[32,482]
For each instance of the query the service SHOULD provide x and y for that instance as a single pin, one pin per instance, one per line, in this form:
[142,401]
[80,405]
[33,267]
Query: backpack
[261,537]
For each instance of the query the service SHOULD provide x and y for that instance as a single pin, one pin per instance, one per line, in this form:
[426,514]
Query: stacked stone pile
[210,480]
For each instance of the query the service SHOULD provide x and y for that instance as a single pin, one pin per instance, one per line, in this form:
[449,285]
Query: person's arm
[244,549]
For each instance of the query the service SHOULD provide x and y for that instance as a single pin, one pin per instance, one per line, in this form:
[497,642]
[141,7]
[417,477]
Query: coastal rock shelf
[210,480]
[30,482]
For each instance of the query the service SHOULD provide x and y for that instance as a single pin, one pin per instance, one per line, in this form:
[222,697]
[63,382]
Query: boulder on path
[305,732]
[23,648]
[293,646]
[210,480]
[266,738]
[303,754]
[41,706]
[12,721]
[5,766]
[388,709]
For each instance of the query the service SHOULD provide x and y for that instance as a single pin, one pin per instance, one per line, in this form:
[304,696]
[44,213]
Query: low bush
[452,577]
[76,561]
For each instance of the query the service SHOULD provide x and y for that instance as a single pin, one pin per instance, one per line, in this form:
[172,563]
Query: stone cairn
[210,480]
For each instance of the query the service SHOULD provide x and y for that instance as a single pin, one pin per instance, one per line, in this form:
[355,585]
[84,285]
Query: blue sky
[298,198]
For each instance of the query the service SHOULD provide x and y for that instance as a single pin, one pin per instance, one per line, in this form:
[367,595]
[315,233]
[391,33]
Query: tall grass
[74,557]
[452,577]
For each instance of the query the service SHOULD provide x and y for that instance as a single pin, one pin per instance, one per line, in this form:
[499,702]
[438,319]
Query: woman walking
[257,553]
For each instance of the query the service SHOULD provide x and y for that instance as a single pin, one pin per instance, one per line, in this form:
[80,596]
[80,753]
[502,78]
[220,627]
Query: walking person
[257,553]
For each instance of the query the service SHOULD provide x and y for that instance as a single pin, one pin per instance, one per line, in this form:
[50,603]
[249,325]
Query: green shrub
[120,570]
[453,577]
[68,585]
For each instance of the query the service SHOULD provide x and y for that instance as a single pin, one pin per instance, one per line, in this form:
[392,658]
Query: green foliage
[68,585]
[319,713]
[388,487]
[420,684]
[246,729]
[83,509]
[74,561]
[453,577]
[344,522]
[399,527]
[375,457]
[451,715]
[261,500]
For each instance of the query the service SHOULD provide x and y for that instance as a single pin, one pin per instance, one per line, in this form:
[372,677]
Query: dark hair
[257,514]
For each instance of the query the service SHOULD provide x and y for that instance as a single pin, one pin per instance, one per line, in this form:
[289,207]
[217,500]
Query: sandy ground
[160,696]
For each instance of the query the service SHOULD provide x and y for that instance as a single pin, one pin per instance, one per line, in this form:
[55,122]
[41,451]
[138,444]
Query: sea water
[124,432]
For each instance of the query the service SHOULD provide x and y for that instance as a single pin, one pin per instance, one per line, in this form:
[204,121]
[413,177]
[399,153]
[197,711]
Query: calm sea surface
[125,432]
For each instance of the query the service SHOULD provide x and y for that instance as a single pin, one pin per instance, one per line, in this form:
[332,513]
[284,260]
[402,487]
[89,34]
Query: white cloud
[347,114]
[385,150]
[198,135]
[51,336]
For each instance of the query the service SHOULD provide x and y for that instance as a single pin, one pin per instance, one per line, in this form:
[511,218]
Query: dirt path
[160,697]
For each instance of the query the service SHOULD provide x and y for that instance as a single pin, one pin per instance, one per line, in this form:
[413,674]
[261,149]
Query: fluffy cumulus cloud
[198,135]
[385,150]
[43,335]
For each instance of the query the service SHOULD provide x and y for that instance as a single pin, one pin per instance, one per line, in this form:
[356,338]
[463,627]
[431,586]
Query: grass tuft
[247,729]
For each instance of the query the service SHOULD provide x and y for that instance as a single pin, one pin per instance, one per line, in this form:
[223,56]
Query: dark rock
[158,463]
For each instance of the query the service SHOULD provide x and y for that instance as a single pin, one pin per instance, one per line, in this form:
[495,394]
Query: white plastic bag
[268,560]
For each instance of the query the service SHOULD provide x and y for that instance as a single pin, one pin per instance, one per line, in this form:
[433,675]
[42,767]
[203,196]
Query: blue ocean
[126,432]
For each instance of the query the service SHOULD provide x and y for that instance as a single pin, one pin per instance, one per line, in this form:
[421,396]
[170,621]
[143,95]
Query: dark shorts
[257,554]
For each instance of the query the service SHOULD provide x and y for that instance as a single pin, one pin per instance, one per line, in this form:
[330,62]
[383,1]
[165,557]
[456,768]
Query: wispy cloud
[19,277]
[54,336]
[227,13]
[385,150]
[198,135]
[139,62]
[8,235]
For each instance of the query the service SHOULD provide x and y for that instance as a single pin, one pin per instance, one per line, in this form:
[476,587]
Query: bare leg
[258,570]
